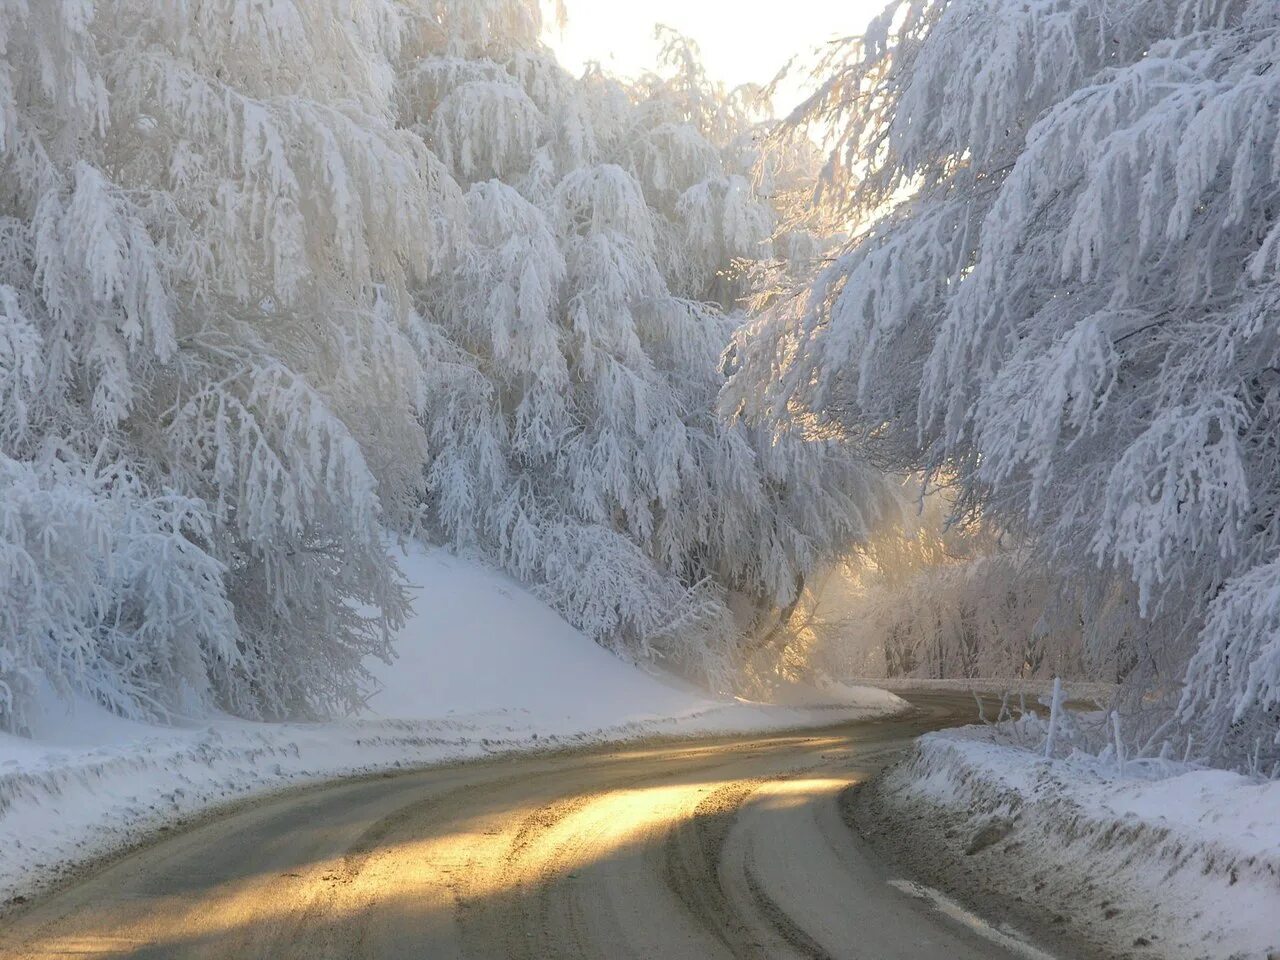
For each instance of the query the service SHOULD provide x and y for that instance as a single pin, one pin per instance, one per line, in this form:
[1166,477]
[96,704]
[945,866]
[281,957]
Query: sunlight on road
[702,851]
[798,792]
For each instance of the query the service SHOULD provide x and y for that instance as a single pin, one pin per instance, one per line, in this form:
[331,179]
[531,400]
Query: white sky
[742,40]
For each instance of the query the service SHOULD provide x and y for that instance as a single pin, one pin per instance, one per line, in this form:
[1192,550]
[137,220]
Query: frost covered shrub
[933,597]
[107,590]
[984,612]
[1063,292]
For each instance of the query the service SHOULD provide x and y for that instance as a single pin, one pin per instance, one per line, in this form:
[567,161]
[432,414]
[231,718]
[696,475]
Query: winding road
[719,848]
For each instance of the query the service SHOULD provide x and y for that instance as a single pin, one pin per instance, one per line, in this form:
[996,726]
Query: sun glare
[742,41]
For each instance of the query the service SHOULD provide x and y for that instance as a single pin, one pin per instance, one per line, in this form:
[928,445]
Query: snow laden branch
[1061,300]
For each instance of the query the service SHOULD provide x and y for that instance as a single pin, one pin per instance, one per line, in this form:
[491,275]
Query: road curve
[725,848]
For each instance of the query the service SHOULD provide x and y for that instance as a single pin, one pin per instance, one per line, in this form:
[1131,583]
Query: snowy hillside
[483,667]
[480,644]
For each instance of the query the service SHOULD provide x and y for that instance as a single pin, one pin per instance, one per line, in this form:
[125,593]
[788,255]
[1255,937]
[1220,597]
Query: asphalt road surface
[735,847]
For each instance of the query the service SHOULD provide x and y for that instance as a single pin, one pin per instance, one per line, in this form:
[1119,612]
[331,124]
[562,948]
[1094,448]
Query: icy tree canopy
[1061,300]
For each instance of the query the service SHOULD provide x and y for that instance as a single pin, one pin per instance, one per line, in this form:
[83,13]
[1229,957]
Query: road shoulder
[1016,840]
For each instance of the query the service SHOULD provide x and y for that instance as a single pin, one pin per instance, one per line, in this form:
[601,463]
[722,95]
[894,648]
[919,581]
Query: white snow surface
[1192,855]
[483,668]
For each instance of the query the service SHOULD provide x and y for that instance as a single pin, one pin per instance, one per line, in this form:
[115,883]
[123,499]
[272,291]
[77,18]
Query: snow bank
[483,668]
[1183,863]
[1074,689]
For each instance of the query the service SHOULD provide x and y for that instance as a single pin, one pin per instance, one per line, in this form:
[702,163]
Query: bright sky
[742,40]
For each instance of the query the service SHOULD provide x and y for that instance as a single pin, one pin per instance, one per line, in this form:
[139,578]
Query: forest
[988,324]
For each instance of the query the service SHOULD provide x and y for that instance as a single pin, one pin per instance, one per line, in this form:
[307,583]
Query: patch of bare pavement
[731,847]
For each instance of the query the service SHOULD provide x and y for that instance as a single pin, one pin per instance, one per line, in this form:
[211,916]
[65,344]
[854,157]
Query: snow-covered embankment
[1165,861]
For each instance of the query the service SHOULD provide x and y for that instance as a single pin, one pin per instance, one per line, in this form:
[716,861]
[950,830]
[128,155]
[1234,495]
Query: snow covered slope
[479,643]
[484,667]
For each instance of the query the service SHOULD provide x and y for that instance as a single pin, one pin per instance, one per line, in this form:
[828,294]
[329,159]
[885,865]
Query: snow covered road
[710,848]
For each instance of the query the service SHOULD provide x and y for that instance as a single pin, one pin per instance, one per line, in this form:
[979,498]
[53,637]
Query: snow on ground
[483,668]
[1167,861]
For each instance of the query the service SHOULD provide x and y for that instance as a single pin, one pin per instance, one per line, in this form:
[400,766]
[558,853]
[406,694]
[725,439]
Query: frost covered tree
[573,341]
[1063,294]
[209,224]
